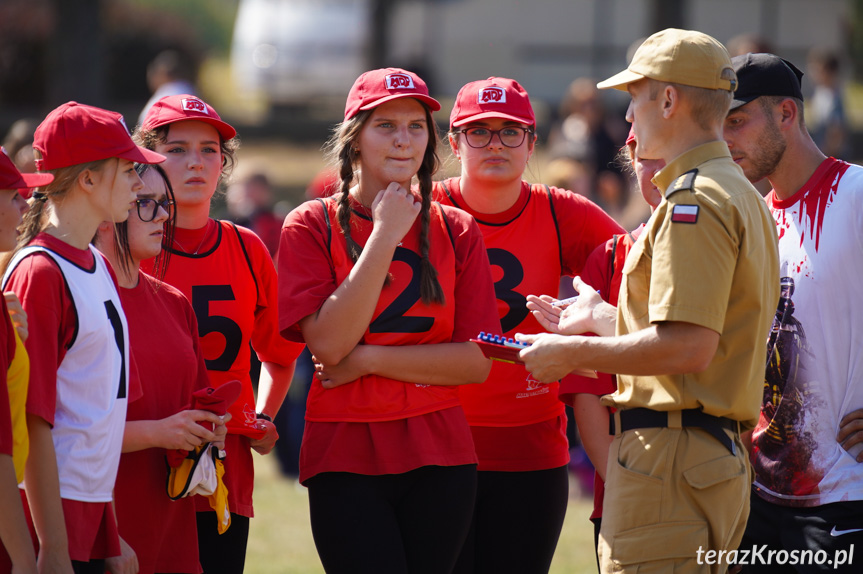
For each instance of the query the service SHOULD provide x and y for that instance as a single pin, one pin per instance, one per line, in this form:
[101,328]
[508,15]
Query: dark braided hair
[345,154]
[342,152]
[430,288]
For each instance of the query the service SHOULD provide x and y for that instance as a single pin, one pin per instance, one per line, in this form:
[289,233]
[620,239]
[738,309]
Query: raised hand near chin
[394,211]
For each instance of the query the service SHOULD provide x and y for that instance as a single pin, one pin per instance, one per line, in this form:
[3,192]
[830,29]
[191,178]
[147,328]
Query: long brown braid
[342,150]
[430,287]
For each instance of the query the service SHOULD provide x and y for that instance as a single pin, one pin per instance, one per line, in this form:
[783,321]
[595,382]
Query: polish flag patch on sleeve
[684,214]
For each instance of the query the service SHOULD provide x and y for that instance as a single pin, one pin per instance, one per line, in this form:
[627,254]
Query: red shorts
[90,528]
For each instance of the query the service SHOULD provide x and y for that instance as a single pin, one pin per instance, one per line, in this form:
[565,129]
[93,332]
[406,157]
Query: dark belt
[646,418]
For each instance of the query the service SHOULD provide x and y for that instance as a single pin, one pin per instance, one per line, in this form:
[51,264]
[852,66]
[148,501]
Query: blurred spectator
[324,184]
[171,73]
[571,174]
[18,144]
[291,418]
[588,134]
[585,132]
[250,204]
[825,115]
[746,43]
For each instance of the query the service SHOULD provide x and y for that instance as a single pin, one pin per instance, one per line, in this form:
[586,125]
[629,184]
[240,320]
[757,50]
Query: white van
[298,51]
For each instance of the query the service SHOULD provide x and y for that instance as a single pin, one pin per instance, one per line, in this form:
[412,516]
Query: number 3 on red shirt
[513,274]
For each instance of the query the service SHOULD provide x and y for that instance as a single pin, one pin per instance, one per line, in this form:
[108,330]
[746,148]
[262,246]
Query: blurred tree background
[97,51]
[856,38]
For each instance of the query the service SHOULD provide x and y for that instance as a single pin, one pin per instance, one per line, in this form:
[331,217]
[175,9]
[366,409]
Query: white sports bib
[92,382]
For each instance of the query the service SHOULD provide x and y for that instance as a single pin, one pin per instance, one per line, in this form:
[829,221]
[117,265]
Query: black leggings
[517,521]
[96,566]
[397,523]
[222,553]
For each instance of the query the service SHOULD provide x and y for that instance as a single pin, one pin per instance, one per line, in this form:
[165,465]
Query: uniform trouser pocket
[671,492]
[660,548]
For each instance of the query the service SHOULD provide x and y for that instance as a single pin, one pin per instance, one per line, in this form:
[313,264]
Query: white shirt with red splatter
[814,372]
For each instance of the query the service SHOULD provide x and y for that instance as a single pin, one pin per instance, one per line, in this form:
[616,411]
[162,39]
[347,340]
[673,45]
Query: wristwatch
[264,416]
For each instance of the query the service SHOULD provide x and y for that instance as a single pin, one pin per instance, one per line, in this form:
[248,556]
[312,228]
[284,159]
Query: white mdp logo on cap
[491,95]
[195,105]
[399,82]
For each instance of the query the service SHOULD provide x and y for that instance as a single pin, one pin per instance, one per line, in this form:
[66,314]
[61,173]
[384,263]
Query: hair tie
[40,196]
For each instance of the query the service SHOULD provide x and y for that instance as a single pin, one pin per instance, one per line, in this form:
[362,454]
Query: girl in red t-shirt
[386,288]
[535,235]
[168,366]
[78,342]
[229,277]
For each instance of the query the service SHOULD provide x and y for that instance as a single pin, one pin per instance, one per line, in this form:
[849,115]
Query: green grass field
[280,541]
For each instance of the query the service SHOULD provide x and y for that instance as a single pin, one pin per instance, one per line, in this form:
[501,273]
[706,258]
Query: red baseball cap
[172,109]
[11,178]
[76,133]
[492,98]
[375,87]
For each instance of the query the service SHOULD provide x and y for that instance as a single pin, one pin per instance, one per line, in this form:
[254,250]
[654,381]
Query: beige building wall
[545,44]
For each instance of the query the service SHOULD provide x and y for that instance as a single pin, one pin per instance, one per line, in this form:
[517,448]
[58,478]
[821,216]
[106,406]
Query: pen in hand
[567,301]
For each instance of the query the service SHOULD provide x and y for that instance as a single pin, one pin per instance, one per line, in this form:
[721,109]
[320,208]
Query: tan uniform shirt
[708,256]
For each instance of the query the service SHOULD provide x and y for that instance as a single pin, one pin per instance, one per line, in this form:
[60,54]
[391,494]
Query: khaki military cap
[683,57]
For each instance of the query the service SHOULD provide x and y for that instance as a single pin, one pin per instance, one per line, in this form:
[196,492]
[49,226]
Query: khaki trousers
[670,493]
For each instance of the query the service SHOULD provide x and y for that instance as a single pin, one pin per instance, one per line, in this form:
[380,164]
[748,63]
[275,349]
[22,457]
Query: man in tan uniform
[699,292]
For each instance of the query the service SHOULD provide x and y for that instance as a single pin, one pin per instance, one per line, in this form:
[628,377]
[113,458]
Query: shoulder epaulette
[685,181]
